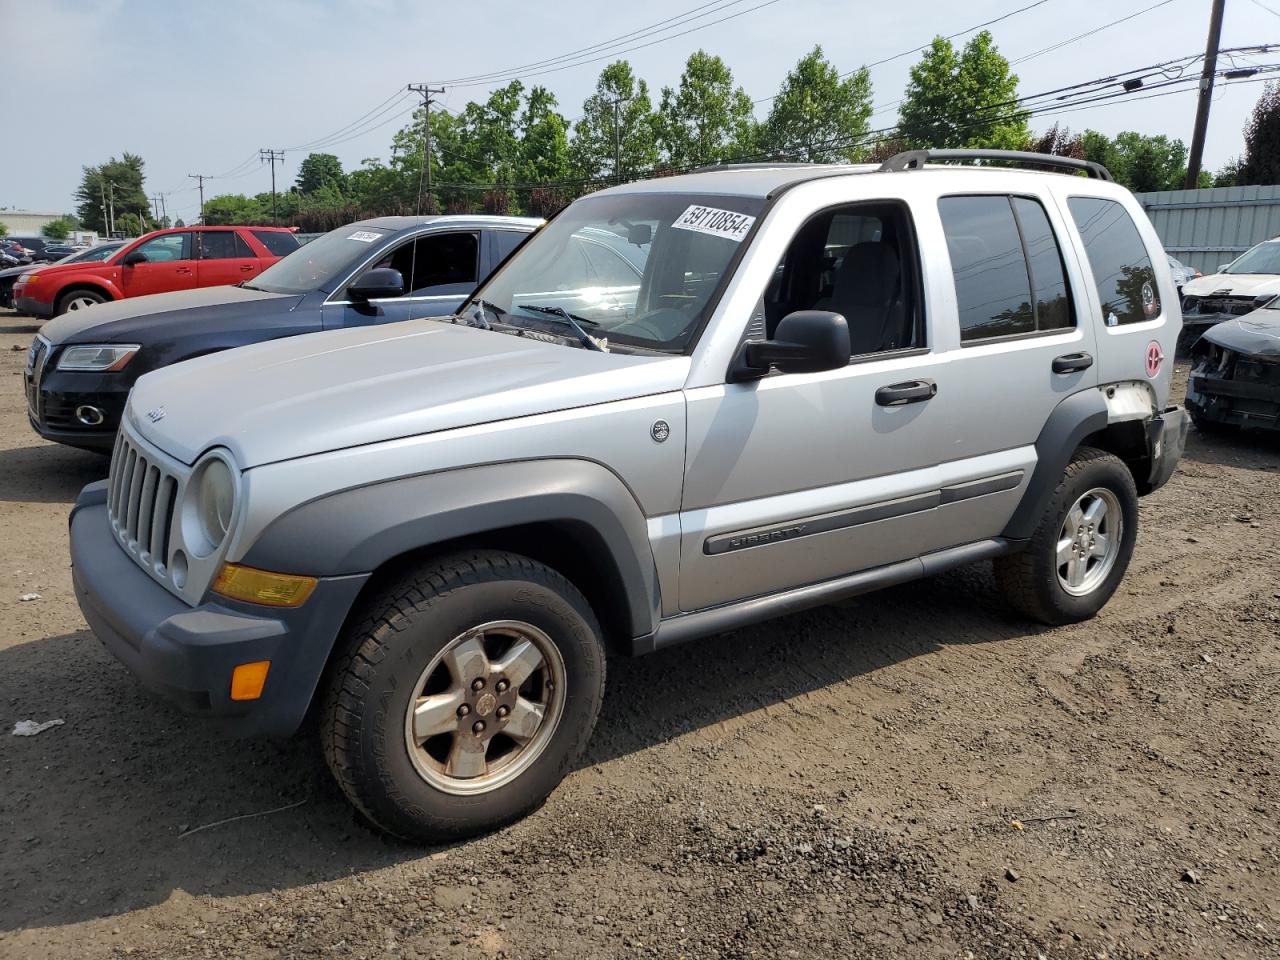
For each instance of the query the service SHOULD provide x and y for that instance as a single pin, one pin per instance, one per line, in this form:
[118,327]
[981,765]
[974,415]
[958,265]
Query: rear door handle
[1072,362]
[912,391]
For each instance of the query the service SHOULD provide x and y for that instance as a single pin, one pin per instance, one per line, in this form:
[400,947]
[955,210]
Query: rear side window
[1119,260]
[1007,267]
[217,245]
[280,244]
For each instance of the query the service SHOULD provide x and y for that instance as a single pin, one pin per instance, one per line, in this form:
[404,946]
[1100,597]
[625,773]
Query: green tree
[4,229]
[816,115]
[544,139]
[707,119]
[967,100]
[1138,161]
[230,208]
[592,150]
[118,182]
[320,170]
[1261,163]
[61,228]
[179,222]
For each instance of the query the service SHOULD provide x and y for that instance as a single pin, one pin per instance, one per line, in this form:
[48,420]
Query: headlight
[1190,304]
[28,278]
[208,506]
[104,358]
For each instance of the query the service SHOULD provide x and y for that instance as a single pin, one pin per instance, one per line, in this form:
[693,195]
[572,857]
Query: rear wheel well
[1128,441]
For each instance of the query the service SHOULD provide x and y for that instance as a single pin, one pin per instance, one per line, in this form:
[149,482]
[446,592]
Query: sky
[200,87]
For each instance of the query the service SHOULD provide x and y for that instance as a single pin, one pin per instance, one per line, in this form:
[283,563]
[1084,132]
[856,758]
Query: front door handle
[1072,362]
[912,391]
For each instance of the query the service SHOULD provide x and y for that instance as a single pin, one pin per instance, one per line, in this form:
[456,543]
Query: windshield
[93,254]
[1264,258]
[639,268]
[320,262]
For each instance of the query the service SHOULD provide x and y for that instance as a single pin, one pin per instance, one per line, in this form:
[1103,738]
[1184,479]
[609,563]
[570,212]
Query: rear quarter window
[280,244]
[1119,260]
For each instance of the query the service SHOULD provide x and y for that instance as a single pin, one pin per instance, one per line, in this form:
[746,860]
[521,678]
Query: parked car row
[682,406]
[94,254]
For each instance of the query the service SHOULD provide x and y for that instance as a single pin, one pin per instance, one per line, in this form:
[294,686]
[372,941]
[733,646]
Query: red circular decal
[1155,357]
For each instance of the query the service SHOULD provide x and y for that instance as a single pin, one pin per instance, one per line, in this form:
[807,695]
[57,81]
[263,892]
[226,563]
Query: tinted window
[504,241]
[1048,276]
[1121,267]
[170,247]
[280,243]
[443,259]
[993,287]
[218,245]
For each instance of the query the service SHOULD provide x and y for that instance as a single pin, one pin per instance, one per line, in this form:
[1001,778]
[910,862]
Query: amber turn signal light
[261,586]
[248,679]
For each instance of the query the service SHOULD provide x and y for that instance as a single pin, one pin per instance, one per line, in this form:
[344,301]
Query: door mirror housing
[134,257]
[380,283]
[806,341]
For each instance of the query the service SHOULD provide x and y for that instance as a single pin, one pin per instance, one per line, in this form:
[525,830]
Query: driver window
[165,249]
[858,261]
[435,265]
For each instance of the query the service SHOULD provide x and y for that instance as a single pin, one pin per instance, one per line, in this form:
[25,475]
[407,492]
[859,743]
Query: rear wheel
[1079,552]
[465,696]
[79,300]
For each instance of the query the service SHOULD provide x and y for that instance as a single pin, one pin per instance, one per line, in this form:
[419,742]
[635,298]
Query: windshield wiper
[564,316]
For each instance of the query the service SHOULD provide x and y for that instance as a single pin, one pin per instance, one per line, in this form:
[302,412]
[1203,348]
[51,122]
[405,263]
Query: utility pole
[424,171]
[164,211]
[106,223]
[155,208]
[199,178]
[273,157]
[1206,94]
[617,137]
[111,202]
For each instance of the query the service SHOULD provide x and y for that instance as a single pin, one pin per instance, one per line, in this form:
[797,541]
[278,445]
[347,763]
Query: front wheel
[79,300]
[1079,552]
[465,696]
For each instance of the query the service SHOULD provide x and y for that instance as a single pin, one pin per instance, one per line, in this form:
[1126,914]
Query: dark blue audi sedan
[82,365]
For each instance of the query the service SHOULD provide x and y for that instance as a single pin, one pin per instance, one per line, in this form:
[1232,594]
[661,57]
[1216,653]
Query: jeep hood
[1233,285]
[1256,334]
[328,391]
[122,321]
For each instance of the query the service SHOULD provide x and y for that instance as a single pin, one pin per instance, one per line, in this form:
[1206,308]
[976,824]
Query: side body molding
[357,530]
[1070,422]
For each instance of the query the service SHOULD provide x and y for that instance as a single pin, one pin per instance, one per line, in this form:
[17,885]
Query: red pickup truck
[181,258]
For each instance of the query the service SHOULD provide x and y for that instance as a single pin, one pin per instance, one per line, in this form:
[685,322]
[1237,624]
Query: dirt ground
[913,774]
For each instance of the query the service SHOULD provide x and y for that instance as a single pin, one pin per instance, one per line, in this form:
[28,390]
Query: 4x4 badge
[660,431]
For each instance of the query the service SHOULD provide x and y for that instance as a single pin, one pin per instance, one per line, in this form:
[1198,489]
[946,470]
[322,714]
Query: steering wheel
[651,325]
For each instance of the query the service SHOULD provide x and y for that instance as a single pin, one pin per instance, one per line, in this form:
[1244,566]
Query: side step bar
[701,623]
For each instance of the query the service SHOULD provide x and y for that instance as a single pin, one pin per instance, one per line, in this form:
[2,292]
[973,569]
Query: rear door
[168,265]
[223,257]
[1021,340]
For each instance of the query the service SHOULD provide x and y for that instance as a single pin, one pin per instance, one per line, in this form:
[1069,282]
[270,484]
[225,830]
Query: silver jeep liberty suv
[681,406]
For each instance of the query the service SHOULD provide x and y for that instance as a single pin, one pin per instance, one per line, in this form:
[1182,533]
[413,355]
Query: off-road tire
[1029,579]
[397,634]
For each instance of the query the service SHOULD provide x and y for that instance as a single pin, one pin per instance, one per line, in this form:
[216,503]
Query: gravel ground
[915,773]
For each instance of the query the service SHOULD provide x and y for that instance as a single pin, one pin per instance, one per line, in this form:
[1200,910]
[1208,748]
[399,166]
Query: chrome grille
[142,493]
[37,358]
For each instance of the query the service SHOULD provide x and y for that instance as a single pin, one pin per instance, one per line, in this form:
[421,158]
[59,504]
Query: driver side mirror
[806,341]
[381,283]
[134,257]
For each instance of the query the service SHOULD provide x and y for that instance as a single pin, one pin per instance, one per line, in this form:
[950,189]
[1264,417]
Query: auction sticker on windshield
[365,236]
[713,221]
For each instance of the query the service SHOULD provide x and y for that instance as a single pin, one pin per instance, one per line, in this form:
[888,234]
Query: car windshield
[1264,258]
[321,262]
[637,269]
[93,254]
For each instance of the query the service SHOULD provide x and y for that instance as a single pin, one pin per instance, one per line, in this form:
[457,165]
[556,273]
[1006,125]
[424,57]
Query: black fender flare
[359,529]
[1075,418]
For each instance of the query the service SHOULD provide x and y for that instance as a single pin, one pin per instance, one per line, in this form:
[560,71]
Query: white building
[26,223]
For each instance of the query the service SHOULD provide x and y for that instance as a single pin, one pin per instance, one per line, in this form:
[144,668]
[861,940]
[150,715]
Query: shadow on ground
[90,812]
[48,473]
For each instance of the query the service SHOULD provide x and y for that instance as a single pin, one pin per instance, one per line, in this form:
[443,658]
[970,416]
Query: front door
[798,478]
[167,265]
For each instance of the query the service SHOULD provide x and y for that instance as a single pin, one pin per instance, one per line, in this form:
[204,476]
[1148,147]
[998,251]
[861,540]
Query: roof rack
[915,159]
[762,165]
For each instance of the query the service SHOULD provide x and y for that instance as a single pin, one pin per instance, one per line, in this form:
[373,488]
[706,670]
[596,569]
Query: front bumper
[54,398]
[31,306]
[186,654]
[1238,403]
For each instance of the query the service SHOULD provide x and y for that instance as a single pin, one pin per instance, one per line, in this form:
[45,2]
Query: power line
[1269,10]
[388,103]
[1088,33]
